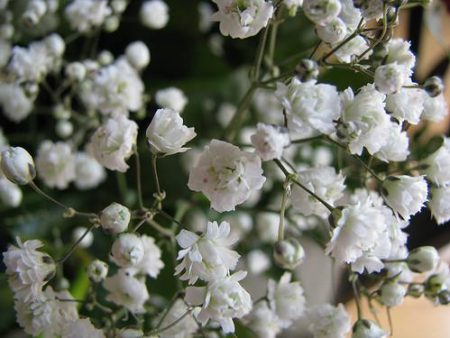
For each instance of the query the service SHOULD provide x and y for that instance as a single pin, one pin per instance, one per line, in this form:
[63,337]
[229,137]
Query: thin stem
[316,47]
[282,210]
[357,298]
[260,54]
[139,224]
[168,307]
[373,173]
[138,178]
[391,327]
[272,43]
[308,139]
[159,228]
[155,174]
[169,326]
[70,211]
[74,246]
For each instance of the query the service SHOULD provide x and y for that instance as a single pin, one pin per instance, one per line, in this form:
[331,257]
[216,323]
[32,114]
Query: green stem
[357,297]
[155,174]
[259,55]
[169,326]
[74,246]
[283,210]
[168,307]
[308,139]
[138,178]
[159,228]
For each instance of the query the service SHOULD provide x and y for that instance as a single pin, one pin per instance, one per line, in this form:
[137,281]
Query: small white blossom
[154,14]
[286,299]
[328,321]
[226,175]
[269,141]
[112,143]
[390,78]
[405,194]
[435,109]
[81,328]
[97,271]
[64,128]
[392,294]
[267,226]
[439,204]
[115,218]
[371,9]
[364,328]
[17,165]
[399,52]
[10,193]
[309,106]
[126,290]
[55,164]
[151,263]
[172,98]
[242,19]
[138,55]
[406,104]
[75,71]
[438,164]
[264,321]
[325,183]
[167,134]
[321,11]
[184,328]
[333,31]
[30,64]
[16,104]
[88,172]
[84,15]
[354,47]
[27,268]
[222,300]
[288,253]
[396,147]
[127,250]
[208,256]
[350,14]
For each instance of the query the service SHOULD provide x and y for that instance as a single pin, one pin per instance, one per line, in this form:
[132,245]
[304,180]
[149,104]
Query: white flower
[396,147]
[365,119]
[46,315]
[371,9]
[257,262]
[439,204]
[267,226]
[390,78]
[226,175]
[55,164]
[350,14]
[114,89]
[138,55]
[84,15]
[309,106]
[269,141]
[64,128]
[126,290]
[81,328]
[354,47]
[167,134]
[242,19]
[435,109]
[115,218]
[406,104]
[325,183]
[10,193]
[423,259]
[87,240]
[358,229]
[321,11]
[328,321]
[364,328]
[16,104]
[27,268]
[154,14]
[97,271]
[127,250]
[438,164]
[292,6]
[399,52]
[392,294]
[32,63]
[75,71]
[205,13]
[151,263]
[405,194]
[88,172]
[264,321]
[223,299]
[17,165]
[112,143]
[184,328]
[208,256]
[172,98]
[333,31]
[286,299]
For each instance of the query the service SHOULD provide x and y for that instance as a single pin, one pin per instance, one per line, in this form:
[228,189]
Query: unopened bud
[97,271]
[433,86]
[18,165]
[415,290]
[307,69]
[392,294]
[422,259]
[115,218]
[364,328]
[288,253]
[444,297]
[434,285]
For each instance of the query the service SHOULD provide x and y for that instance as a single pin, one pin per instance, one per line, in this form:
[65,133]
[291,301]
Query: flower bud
[433,86]
[10,193]
[422,259]
[130,333]
[111,24]
[444,297]
[115,218]
[118,6]
[64,128]
[18,165]
[55,44]
[307,69]
[364,328]
[97,271]
[127,250]
[76,71]
[105,57]
[392,294]
[434,285]
[415,290]
[138,55]
[288,253]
